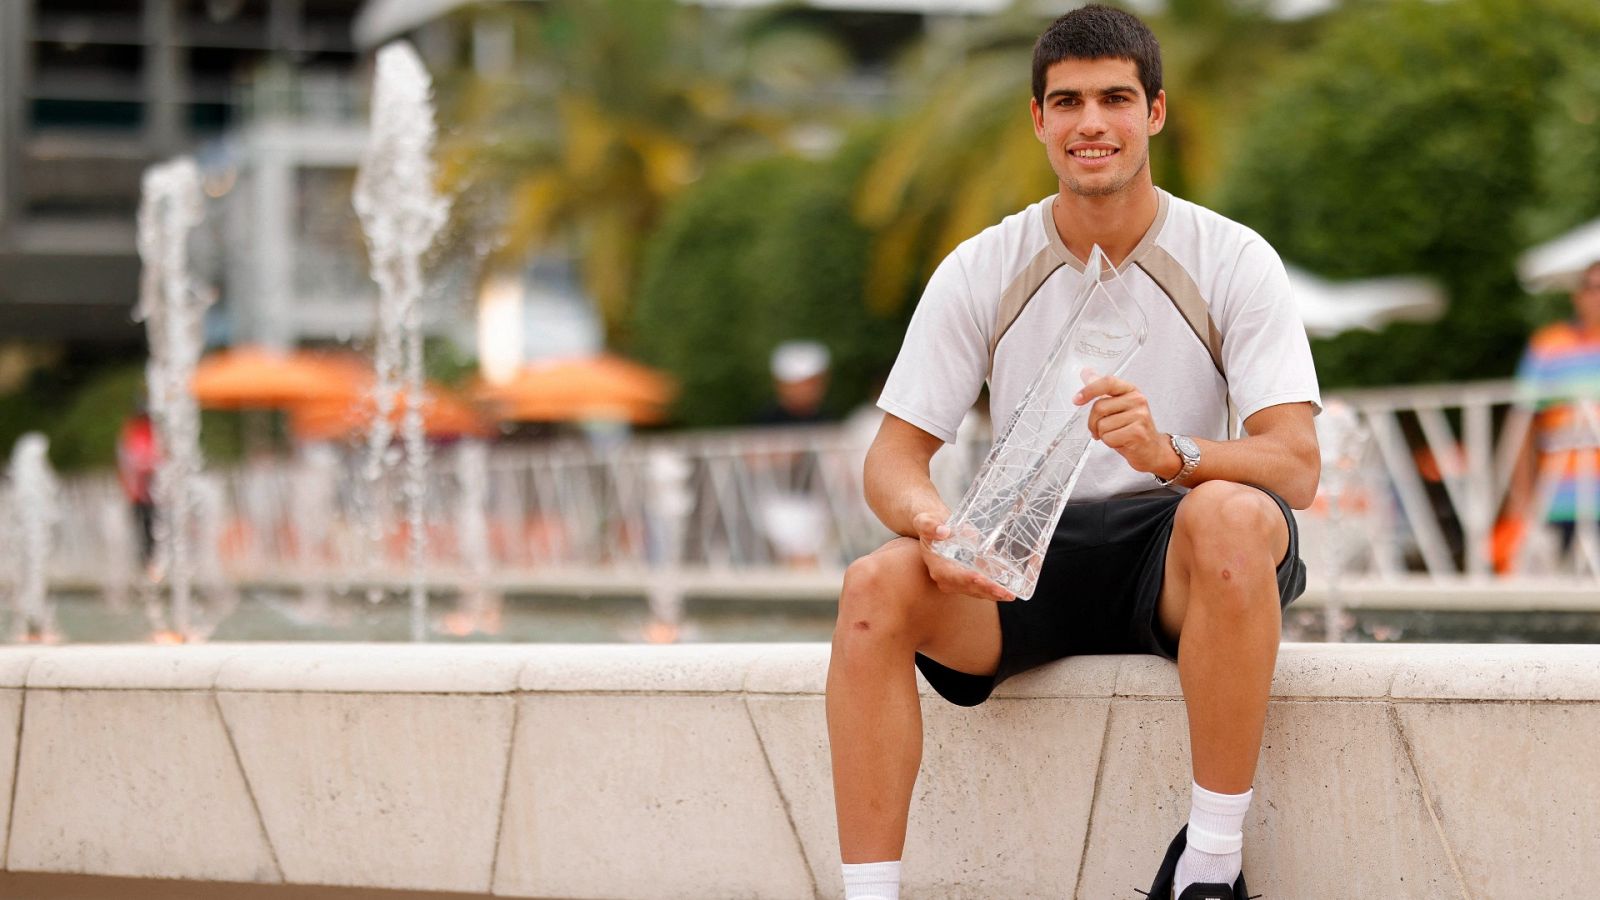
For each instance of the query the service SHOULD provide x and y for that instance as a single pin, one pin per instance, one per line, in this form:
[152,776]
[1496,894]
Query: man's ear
[1037,113]
[1158,113]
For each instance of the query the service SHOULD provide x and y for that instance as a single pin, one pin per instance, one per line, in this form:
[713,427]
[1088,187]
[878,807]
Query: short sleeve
[1528,378]
[1264,344]
[1543,374]
[944,359]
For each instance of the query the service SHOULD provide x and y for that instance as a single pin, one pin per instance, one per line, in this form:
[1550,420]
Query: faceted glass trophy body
[1004,523]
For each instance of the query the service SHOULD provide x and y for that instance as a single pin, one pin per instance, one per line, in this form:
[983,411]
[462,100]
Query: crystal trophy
[1004,523]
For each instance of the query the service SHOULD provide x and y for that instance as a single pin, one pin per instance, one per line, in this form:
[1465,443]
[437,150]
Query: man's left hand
[1120,418]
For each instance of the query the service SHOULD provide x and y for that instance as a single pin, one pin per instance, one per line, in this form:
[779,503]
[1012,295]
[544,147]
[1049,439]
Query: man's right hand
[951,577]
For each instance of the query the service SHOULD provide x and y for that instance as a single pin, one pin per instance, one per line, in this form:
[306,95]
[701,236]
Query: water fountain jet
[400,213]
[172,306]
[34,496]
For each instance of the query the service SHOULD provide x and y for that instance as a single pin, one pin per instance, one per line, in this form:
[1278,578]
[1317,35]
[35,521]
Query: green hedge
[1405,142]
[755,255]
[82,412]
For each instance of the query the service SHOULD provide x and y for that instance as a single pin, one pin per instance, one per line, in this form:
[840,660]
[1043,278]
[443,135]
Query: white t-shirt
[945,358]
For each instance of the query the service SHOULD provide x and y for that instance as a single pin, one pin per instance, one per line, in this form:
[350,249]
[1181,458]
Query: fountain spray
[400,213]
[172,306]
[35,511]
[479,607]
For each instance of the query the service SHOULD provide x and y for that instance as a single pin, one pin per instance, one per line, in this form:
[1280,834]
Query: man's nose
[1093,121]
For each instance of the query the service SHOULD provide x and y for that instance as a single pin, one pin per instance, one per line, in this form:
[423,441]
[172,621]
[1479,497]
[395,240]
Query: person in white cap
[800,380]
[791,516]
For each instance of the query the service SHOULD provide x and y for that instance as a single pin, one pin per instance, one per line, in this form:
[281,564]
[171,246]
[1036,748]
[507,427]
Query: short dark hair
[1099,32]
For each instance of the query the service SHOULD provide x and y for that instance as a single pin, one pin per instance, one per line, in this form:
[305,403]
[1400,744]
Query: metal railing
[1430,471]
[1413,483]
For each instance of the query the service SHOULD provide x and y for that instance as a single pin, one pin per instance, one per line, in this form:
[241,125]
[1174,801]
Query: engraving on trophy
[1101,344]
[1003,525]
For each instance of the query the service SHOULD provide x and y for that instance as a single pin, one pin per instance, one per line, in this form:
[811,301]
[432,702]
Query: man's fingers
[1107,426]
[930,526]
[1110,405]
[1121,436]
[983,586]
[1120,403]
[1103,386]
[1108,408]
[954,578]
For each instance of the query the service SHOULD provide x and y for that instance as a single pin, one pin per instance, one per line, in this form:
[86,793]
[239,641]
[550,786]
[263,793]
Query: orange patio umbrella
[595,387]
[259,378]
[444,415]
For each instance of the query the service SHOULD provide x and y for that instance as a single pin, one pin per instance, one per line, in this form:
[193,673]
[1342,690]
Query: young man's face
[1096,124]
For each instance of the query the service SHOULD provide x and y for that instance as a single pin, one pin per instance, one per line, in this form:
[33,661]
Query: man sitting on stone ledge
[1180,543]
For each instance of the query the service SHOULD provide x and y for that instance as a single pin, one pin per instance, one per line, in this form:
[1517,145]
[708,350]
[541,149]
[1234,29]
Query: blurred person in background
[1559,375]
[1179,540]
[800,383]
[793,514]
[138,456]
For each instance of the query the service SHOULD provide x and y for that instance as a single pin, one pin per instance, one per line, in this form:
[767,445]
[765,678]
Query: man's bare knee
[1222,522]
[1226,537]
[878,596]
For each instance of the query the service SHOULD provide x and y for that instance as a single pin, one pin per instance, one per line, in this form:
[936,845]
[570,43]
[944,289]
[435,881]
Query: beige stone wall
[1395,771]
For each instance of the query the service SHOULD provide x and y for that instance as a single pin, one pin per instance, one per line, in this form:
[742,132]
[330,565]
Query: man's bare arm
[902,495]
[1279,452]
[1524,480]
[897,483]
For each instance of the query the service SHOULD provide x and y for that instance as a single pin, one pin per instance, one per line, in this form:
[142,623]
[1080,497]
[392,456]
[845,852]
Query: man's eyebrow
[1104,92]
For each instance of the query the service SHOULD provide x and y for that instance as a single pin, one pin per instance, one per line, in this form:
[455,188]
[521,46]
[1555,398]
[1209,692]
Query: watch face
[1186,446]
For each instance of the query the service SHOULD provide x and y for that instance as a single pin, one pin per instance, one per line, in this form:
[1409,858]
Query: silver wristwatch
[1189,452]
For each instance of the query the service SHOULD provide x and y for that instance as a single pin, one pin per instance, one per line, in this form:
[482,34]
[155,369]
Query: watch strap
[1189,464]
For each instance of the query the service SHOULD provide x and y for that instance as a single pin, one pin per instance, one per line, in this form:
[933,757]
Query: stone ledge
[701,771]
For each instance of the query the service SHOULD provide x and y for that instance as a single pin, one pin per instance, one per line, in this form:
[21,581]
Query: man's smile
[1091,154]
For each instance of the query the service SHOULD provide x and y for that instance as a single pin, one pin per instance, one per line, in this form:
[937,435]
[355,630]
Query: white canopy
[1329,308]
[1556,265]
[380,20]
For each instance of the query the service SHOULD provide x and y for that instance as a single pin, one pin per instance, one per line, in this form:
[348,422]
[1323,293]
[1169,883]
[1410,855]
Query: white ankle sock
[1215,848]
[872,881]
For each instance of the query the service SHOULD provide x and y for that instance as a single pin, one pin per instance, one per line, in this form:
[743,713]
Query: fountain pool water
[281,615]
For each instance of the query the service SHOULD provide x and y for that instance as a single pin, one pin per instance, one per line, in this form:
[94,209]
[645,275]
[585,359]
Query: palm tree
[959,159]
[1218,56]
[620,105]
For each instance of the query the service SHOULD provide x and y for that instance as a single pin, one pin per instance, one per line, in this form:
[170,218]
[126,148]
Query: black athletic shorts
[1097,593]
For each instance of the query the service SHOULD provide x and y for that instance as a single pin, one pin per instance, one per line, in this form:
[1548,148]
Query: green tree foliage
[1567,165]
[21,412]
[83,418]
[959,156]
[1567,143]
[755,255]
[1216,56]
[84,434]
[1404,143]
[616,107]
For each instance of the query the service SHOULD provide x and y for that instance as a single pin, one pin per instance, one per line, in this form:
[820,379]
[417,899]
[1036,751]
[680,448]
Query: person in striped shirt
[1559,381]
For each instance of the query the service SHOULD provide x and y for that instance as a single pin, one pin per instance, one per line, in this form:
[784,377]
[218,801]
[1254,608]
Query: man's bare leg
[889,610]
[1221,598]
